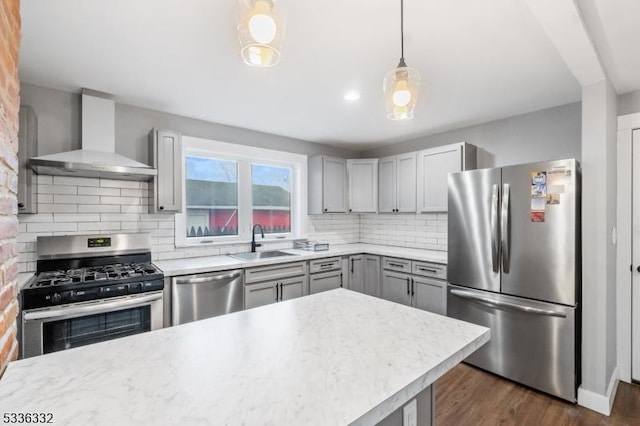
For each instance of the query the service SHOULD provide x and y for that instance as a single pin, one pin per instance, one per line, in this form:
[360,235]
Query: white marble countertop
[333,358]
[197,265]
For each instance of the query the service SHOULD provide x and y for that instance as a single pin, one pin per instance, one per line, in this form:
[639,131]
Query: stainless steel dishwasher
[200,296]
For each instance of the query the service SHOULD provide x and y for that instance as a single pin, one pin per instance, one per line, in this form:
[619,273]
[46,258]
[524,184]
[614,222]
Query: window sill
[265,241]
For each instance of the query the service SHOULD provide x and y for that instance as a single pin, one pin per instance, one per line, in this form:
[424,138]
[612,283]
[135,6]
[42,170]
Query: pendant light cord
[402,29]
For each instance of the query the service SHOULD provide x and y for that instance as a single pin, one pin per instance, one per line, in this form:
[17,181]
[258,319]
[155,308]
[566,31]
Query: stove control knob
[56,298]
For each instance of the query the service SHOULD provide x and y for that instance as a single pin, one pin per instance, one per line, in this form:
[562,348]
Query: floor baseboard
[597,402]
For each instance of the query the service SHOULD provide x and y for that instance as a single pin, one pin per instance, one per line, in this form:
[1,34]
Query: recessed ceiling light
[352,95]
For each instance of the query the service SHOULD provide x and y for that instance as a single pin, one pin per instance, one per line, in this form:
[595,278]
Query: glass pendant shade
[401,92]
[261,33]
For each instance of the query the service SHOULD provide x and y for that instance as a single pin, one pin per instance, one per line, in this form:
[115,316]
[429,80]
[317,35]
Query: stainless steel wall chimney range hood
[97,158]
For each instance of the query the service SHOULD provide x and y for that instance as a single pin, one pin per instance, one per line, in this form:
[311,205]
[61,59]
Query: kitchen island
[333,358]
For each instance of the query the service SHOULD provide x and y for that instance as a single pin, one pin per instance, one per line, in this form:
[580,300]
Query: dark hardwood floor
[469,396]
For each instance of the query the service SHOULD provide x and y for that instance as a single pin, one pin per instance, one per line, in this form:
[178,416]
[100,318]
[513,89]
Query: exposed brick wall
[9,106]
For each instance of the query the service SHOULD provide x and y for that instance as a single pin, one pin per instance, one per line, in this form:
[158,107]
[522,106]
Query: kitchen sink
[261,255]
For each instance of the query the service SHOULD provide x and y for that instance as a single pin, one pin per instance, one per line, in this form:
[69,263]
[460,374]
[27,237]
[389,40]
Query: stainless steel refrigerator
[514,266]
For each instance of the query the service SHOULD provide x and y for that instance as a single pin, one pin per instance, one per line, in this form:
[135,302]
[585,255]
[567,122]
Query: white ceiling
[479,61]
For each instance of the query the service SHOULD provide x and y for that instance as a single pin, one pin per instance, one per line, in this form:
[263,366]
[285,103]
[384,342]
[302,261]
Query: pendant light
[401,84]
[261,33]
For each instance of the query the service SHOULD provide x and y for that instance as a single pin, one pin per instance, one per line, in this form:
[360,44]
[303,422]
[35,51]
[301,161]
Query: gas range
[90,289]
[101,269]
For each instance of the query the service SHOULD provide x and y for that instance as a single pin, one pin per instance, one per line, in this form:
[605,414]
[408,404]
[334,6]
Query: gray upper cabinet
[165,148]
[434,165]
[27,148]
[363,185]
[397,184]
[327,182]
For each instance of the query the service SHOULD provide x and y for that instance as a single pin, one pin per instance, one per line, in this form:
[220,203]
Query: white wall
[629,103]
[58,115]
[599,117]
[548,134]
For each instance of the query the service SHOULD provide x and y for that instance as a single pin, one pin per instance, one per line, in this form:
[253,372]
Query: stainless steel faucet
[253,237]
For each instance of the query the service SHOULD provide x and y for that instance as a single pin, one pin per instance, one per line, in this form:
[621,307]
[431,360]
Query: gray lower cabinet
[430,295]
[425,289]
[325,281]
[356,273]
[396,287]
[260,294]
[364,274]
[372,275]
[274,283]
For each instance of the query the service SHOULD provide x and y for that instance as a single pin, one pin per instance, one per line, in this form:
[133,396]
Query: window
[271,198]
[211,197]
[229,188]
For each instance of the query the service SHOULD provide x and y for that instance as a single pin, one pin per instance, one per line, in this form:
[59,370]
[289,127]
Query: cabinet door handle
[408,286]
[161,207]
[20,205]
[413,287]
[352,265]
[281,292]
[428,270]
[325,210]
[340,279]
[397,265]
[277,295]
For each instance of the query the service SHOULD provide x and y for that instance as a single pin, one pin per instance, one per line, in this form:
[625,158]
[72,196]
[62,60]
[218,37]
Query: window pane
[212,197]
[271,192]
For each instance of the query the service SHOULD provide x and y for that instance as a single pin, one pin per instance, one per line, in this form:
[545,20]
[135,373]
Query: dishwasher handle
[208,278]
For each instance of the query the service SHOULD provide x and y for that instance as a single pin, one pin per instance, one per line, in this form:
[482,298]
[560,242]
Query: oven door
[69,326]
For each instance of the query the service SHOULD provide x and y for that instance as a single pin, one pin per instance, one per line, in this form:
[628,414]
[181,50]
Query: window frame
[245,156]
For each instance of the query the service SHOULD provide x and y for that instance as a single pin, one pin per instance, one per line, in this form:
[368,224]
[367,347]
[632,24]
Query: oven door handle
[93,308]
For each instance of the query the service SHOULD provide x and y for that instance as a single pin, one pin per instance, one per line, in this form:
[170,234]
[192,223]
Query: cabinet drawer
[427,269]
[325,281]
[326,264]
[274,272]
[395,264]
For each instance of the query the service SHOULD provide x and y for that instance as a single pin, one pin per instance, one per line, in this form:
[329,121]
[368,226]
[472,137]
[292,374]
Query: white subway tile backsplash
[57,189]
[76,181]
[76,199]
[70,217]
[121,217]
[51,227]
[125,201]
[45,198]
[89,190]
[99,208]
[119,184]
[71,205]
[57,208]
[133,192]
[35,218]
[136,209]
[99,226]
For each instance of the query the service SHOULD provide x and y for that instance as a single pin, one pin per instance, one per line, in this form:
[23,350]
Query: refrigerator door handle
[495,247]
[505,228]
[508,305]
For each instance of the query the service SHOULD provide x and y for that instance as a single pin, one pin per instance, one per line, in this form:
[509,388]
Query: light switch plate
[410,414]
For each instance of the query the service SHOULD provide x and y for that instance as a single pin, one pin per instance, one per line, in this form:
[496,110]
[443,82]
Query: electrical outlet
[410,414]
